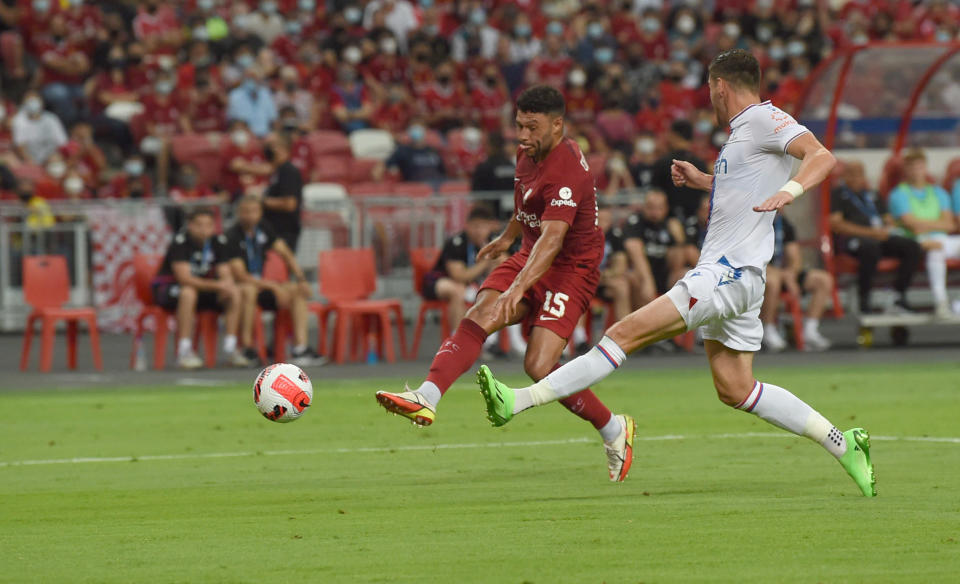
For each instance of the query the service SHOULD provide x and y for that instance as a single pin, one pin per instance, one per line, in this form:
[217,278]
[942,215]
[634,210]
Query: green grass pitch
[199,488]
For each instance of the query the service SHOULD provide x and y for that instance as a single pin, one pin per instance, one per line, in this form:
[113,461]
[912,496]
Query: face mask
[491,82]
[801,73]
[764,33]
[57,169]
[555,28]
[245,60]
[578,78]
[679,55]
[777,52]
[651,24]
[188,181]
[388,46]
[603,55]
[646,145]
[346,75]
[290,86]
[33,106]
[164,88]
[594,30]
[290,124]
[522,30]
[686,24]
[41,6]
[478,17]
[719,138]
[416,133]
[796,48]
[239,138]
[205,5]
[352,15]
[426,3]
[200,33]
[352,55]
[307,5]
[732,30]
[268,7]
[73,185]
[430,30]
[292,28]
[133,167]
[704,126]
[240,22]
[942,36]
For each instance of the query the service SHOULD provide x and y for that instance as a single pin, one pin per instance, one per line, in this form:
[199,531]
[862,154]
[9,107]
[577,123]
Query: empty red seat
[329,142]
[413,189]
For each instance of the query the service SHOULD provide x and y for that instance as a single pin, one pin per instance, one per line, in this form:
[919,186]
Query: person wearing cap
[924,211]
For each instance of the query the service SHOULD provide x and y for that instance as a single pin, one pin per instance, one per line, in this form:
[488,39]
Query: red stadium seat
[334,169]
[413,189]
[423,260]
[361,169]
[370,189]
[46,288]
[347,279]
[274,270]
[329,143]
[951,175]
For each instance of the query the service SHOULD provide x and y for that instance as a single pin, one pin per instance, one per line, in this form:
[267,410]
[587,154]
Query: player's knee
[822,279]
[535,366]
[248,291]
[730,394]
[188,295]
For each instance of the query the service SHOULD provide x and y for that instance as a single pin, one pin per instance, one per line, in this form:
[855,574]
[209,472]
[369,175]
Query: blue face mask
[522,30]
[244,61]
[41,5]
[250,85]
[307,5]
[603,55]
[478,17]
[704,126]
[426,3]
[594,30]
[777,52]
[555,28]
[416,133]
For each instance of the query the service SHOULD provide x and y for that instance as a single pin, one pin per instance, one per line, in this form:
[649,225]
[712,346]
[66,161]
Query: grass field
[197,487]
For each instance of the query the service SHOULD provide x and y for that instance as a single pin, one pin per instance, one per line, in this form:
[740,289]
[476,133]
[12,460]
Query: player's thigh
[649,324]
[449,290]
[732,371]
[482,312]
[544,349]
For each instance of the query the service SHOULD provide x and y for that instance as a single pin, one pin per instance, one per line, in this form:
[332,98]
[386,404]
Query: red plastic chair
[144,269]
[332,168]
[274,270]
[423,259]
[370,189]
[361,169]
[413,189]
[46,287]
[792,305]
[347,278]
[329,143]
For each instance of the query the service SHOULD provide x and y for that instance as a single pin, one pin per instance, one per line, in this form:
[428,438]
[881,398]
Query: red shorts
[557,300]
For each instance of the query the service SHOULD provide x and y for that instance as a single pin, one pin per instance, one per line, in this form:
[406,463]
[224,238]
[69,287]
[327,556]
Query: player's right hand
[493,249]
[682,173]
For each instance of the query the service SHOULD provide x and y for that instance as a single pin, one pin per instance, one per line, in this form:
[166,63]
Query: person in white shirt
[37,134]
[724,292]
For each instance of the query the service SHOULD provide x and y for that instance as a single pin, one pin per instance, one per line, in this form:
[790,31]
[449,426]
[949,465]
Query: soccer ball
[282,392]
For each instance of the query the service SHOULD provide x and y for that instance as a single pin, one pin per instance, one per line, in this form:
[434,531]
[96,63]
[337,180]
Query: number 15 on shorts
[555,304]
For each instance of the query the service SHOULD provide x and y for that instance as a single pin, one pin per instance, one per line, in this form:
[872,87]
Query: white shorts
[725,301]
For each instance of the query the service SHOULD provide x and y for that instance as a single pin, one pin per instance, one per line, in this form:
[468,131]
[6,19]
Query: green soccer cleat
[856,461]
[498,397]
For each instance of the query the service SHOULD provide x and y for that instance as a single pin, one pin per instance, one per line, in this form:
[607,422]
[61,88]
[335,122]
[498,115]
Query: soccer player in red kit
[547,285]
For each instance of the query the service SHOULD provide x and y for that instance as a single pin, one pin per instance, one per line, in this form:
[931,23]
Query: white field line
[422,447]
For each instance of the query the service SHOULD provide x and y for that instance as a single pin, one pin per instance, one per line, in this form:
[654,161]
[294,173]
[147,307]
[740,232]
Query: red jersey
[164,115]
[583,107]
[560,188]
[551,70]
[301,155]
[488,104]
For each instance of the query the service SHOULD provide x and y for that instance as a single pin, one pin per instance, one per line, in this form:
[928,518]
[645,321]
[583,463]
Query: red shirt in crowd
[582,106]
[551,70]
[207,113]
[124,186]
[231,181]
[301,155]
[487,104]
[48,48]
[393,117]
[163,113]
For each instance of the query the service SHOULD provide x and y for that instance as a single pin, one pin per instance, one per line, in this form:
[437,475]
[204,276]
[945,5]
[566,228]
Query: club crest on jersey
[565,193]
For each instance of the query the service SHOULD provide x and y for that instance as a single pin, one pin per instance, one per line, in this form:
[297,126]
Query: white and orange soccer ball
[282,392]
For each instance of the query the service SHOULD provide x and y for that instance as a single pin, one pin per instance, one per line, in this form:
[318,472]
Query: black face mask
[25,196]
[492,81]
[117,63]
[443,80]
[269,153]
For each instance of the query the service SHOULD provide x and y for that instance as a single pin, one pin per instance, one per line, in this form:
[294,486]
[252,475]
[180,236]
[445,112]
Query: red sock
[457,354]
[587,405]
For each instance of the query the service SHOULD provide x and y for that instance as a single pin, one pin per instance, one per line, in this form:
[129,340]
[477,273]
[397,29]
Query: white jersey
[751,167]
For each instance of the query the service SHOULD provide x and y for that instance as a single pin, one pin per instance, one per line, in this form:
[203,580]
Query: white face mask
[732,30]
[33,106]
[578,77]
[73,185]
[352,55]
[239,138]
[646,146]
[686,24]
[133,167]
[57,169]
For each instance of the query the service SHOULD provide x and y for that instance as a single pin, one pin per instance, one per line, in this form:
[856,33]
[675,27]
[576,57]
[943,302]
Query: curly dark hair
[542,99]
[738,68]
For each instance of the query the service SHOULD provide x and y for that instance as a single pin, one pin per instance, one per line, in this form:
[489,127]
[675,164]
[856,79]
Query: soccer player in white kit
[723,293]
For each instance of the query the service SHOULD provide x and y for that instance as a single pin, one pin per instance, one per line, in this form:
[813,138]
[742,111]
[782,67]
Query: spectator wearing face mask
[64,67]
[442,104]
[489,101]
[291,94]
[349,101]
[652,37]
[643,160]
[265,22]
[687,28]
[399,16]
[394,113]
[583,103]
[475,38]
[157,27]
[386,68]
[164,116]
[553,63]
[37,134]
[207,105]
[83,155]
[415,161]
[523,45]
[252,103]
[130,183]
[597,47]
[244,168]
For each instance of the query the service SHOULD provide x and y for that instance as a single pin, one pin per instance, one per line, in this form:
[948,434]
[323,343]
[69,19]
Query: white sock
[612,429]
[783,409]
[582,372]
[430,392]
[811,325]
[229,344]
[515,335]
[937,273]
[770,331]
[579,335]
[299,349]
[184,347]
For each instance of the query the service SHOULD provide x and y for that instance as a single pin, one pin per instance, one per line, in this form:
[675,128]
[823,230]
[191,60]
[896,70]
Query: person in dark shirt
[496,172]
[284,195]
[864,229]
[416,161]
[457,268]
[614,283]
[786,273]
[248,241]
[695,231]
[683,201]
[195,276]
[657,239]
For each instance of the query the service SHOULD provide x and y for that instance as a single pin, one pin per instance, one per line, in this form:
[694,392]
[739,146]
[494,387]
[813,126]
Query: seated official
[657,238]
[695,231]
[786,273]
[457,273]
[248,242]
[195,276]
[863,229]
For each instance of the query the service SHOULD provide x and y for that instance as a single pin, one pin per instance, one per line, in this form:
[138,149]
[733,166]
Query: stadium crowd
[95,93]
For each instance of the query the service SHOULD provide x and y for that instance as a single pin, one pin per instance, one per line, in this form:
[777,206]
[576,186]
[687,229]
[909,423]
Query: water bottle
[371,349]
[140,360]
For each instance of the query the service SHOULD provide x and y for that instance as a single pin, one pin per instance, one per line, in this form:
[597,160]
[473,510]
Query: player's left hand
[507,305]
[775,203]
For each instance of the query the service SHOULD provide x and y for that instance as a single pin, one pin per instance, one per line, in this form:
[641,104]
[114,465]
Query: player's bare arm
[686,174]
[943,223]
[542,255]
[286,254]
[816,165]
